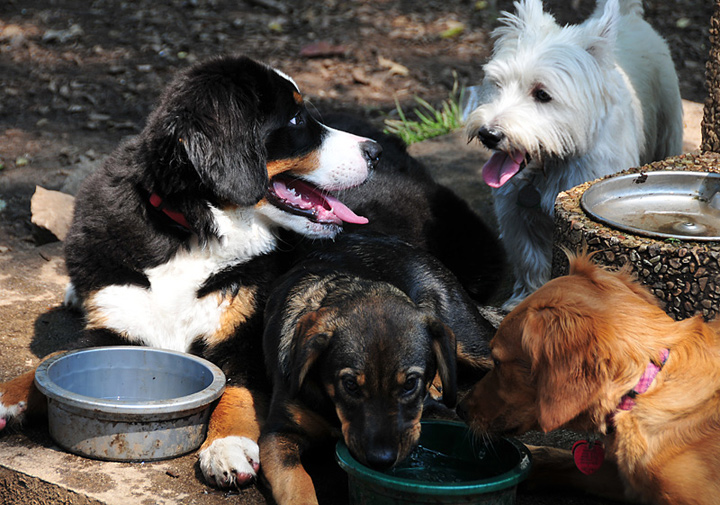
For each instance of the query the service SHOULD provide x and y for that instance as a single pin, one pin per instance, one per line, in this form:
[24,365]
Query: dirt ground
[76,77]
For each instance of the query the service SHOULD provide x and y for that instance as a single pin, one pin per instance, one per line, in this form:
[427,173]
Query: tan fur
[298,166]
[240,308]
[315,425]
[291,484]
[311,326]
[22,389]
[569,352]
[18,389]
[435,389]
[236,414]
[94,316]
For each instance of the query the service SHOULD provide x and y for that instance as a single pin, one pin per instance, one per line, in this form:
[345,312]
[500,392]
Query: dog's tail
[627,7]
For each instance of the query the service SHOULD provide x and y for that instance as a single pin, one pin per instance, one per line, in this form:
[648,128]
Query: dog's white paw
[11,413]
[230,461]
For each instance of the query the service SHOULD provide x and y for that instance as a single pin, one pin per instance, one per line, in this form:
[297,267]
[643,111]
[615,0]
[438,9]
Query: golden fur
[568,353]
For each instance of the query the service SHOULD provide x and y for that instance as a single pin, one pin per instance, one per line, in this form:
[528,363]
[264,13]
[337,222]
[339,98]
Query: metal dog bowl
[128,403]
[677,205]
[450,466]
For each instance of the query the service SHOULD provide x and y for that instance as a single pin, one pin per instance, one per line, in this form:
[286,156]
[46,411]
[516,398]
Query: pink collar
[176,216]
[627,402]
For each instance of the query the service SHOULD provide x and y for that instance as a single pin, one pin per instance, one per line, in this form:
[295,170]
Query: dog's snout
[381,458]
[371,151]
[491,137]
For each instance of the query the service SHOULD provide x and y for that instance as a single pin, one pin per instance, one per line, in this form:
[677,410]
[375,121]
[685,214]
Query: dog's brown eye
[541,95]
[411,384]
[351,386]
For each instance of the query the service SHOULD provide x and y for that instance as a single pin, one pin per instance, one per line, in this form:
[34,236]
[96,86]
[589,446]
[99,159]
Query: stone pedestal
[683,275]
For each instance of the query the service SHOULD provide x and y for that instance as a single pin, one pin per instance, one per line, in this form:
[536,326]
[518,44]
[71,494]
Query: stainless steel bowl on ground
[129,403]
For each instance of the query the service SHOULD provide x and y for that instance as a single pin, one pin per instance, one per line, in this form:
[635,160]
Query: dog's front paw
[230,461]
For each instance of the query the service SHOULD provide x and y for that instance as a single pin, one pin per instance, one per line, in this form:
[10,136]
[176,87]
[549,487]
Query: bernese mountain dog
[174,240]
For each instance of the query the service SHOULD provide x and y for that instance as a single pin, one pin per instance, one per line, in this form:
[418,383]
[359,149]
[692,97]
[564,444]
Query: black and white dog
[174,239]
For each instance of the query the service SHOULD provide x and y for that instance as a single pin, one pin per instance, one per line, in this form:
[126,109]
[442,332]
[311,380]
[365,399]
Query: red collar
[178,217]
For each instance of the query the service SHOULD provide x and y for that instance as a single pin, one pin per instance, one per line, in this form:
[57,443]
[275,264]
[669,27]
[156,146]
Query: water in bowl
[427,465]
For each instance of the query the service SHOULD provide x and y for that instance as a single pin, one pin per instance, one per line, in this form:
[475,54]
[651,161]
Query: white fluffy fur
[615,105]
[229,461]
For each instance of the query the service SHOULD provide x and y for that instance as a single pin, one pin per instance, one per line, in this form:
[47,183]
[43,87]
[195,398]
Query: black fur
[401,198]
[387,259]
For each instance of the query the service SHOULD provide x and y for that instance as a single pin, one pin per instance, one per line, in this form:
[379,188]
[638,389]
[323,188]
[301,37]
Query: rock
[62,36]
[52,211]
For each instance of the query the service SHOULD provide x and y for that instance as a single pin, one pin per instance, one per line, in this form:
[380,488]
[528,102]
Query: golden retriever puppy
[593,351]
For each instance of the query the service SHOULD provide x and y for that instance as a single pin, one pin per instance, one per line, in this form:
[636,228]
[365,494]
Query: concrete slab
[34,470]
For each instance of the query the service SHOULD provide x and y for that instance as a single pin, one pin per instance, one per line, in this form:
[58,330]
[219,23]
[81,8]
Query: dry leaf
[393,67]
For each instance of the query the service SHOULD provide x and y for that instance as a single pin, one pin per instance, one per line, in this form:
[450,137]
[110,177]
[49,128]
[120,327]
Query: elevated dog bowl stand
[684,275]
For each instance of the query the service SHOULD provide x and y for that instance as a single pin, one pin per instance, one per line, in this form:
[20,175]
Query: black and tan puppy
[355,337]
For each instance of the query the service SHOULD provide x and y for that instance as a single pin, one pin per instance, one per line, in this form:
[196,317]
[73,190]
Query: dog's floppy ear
[444,349]
[313,333]
[227,151]
[567,363]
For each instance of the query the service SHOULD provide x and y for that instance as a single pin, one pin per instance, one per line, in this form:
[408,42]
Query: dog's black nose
[381,458]
[371,151]
[490,136]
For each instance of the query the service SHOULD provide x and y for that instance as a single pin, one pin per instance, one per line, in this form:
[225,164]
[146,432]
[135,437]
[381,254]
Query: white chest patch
[169,315]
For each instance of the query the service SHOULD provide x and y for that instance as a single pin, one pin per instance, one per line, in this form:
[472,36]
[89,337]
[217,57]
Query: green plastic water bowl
[450,466]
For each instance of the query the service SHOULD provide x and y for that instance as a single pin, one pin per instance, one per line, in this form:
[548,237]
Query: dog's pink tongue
[306,196]
[343,211]
[501,167]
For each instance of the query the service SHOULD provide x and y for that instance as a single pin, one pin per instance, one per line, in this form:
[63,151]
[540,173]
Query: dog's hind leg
[230,455]
[19,399]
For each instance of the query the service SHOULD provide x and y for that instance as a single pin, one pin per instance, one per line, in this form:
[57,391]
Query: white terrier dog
[566,105]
